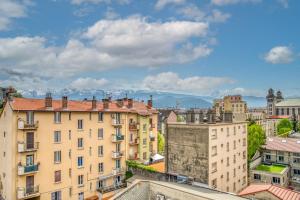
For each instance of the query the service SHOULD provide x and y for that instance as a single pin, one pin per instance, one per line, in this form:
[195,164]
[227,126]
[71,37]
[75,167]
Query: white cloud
[243,92]
[131,42]
[160,4]
[228,2]
[218,16]
[280,55]
[284,3]
[79,2]
[171,82]
[111,14]
[11,9]
[88,83]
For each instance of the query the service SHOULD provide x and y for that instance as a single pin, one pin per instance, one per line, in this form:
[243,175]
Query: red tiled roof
[26,104]
[279,192]
[279,117]
[282,144]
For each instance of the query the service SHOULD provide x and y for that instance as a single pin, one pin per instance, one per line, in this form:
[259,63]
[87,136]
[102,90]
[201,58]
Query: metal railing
[25,147]
[28,169]
[117,137]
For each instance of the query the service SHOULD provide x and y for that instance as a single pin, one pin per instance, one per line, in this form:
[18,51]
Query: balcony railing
[117,154]
[23,125]
[152,138]
[28,192]
[26,147]
[117,138]
[22,170]
[134,126]
[117,171]
[117,122]
[106,189]
[134,142]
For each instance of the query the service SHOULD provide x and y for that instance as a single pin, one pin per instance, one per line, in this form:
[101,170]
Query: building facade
[62,149]
[214,154]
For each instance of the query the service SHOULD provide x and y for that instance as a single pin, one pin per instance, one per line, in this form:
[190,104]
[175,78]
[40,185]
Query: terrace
[277,169]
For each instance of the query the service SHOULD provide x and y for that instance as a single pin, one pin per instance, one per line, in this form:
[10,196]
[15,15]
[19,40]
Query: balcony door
[29,140]
[118,147]
[118,118]
[29,160]
[30,117]
[29,184]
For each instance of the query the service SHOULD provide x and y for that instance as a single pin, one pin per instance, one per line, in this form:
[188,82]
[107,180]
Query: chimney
[227,117]
[150,102]
[120,102]
[105,103]
[64,102]
[48,100]
[130,103]
[201,117]
[190,116]
[211,116]
[94,103]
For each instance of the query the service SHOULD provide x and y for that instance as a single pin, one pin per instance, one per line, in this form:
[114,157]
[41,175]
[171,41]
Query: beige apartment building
[210,153]
[63,149]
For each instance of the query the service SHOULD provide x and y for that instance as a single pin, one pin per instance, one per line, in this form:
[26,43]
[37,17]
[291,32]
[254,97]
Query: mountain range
[160,99]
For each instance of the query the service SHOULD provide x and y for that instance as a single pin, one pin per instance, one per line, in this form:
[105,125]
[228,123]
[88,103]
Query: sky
[207,47]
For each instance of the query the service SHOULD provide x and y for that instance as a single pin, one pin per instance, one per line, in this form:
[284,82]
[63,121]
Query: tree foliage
[160,143]
[256,138]
[284,127]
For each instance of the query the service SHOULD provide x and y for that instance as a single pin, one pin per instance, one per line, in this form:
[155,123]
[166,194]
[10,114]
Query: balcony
[151,126]
[117,122]
[134,142]
[134,157]
[24,170]
[116,155]
[28,192]
[106,189]
[27,147]
[117,171]
[117,138]
[152,138]
[134,126]
[23,125]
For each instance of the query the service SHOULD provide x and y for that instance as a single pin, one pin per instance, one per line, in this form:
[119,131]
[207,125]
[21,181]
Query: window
[287,111]
[227,161]
[118,164]
[100,117]
[234,172]
[57,136]
[296,160]
[214,183]
[227,131]
[234,158]
[70,135]
[268,157]
[244,167]
[4,134]
[257,177]
[70,153]
[145,155]
[144,141]
[90,116]
[214,150]
[100,151]
[213,167]
[57,176]
[281,158]
[80,161]
[100,133]
[70,116]
[296,171]
[214,134]
[144,127]
[80,180]
[234,186]
[80,143]
[81,196]
[244,142]
[276,180]
[30,117]
[80,124]
[227,176]
[234,130]
[244,180]
[234,144]
[100,167]
[227,146]
[244,154]
[100,184]
[57,156]
[57,117]
[56,195]
[90,151]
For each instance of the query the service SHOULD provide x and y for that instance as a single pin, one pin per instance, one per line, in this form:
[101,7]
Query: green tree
[284,127]
[161,143]
[256,138]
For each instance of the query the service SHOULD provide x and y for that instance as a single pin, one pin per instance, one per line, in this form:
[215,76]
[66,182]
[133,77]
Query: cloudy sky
[184,46]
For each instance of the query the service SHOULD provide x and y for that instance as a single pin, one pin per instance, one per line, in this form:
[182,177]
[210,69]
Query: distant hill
[160,99]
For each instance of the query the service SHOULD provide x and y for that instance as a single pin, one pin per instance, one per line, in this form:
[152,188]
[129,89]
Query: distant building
[209,152]
[279,164]
[146,189]
[268,192]
[277,105]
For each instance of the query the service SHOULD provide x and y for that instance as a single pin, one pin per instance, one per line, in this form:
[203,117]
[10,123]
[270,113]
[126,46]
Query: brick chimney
[48,100]
[130,103]
[150,102]
[64,102]
[105,103]
[94,103]
[120,102]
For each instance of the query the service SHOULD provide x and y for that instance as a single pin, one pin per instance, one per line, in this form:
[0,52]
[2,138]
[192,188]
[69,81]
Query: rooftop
[271,168]
[27,104]
[282,144]
[280,192]
[289,102]
[146,189]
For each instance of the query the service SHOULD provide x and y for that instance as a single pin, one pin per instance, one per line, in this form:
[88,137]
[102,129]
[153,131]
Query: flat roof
[289,102]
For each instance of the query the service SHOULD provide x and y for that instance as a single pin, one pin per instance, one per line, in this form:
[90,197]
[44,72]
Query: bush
[137,165]
[284,127]
[128,175]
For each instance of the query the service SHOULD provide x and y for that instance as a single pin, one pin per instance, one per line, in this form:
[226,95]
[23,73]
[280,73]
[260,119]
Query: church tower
[271,100]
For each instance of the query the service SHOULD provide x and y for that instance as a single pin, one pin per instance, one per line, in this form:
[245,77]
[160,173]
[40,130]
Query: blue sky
[209,47]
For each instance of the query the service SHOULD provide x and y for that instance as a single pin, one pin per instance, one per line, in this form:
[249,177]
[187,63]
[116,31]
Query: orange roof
[279,117]
[27,104]
[160,167]
[279,192]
